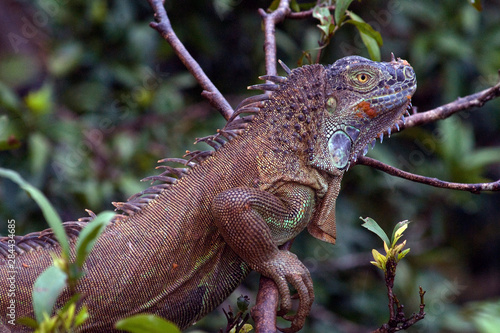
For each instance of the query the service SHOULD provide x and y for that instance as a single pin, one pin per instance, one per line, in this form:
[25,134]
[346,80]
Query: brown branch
[397,318]
[264,311]
[210,92]
[473,188]
[444,111]
[270,21]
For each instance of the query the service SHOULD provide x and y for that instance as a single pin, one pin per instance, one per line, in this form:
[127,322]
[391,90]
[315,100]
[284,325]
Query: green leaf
[380,259]
[371,46]
[73,299]
[8,98]
[47,288]
[245,329]
[485,316]
[8,139]
[40,101]
[146,323]
[325,19]
[89,235]
[294,6]
[476,4]
[322,14]
[66,58]
[370,37]
[340,11]
[39,152]
[48,210]
[274,5]
[27,321]
[365,28]
[398,230]
[483,157]
[373,226]
[403,253]
[81,316]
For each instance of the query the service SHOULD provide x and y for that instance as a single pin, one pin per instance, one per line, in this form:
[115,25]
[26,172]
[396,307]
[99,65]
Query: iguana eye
[362,77]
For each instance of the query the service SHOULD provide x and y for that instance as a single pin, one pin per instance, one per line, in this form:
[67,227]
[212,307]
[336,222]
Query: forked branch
[397,318]
[210,91]
[270,20]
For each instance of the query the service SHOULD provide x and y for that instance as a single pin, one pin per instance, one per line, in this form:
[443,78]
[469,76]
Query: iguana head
[363,98]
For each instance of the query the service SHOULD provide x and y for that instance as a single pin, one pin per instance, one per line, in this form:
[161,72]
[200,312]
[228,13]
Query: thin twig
[305,14]
[473,188]
[390,275]
[210,91]
[397,318]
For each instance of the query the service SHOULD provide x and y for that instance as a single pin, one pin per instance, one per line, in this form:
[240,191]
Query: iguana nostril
[409,73]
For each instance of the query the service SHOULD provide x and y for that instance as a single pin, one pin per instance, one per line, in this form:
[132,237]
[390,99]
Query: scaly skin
[184,246]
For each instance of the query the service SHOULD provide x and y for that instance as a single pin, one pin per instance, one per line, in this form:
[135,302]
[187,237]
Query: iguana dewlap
[183,246]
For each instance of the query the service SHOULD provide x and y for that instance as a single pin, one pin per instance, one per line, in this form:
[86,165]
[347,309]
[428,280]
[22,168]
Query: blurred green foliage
[91,98]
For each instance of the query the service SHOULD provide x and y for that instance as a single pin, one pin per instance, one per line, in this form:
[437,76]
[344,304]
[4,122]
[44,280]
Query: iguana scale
[181,247]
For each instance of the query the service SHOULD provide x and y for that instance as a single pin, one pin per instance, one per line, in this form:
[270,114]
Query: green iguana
[181,247]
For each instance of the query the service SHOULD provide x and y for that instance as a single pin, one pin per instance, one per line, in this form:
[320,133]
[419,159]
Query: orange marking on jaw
[367,109]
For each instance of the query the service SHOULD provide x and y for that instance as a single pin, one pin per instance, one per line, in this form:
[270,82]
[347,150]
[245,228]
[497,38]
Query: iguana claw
[286,269]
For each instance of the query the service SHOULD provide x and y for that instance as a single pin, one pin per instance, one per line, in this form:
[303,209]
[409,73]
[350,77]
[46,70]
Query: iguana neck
[289,120]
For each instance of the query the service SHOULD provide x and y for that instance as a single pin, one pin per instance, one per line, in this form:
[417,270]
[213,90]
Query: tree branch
[266,305]
[210,91]
[444,111]
[264,311]
[473,188]
[270,21]
[397,318]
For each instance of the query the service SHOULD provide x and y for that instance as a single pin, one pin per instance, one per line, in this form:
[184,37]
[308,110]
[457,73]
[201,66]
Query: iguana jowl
[183,246]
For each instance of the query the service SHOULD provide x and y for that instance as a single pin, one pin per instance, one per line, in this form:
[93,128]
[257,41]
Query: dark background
[91,98]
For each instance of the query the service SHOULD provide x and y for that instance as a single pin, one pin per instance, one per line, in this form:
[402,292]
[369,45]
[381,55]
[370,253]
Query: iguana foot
[287,268]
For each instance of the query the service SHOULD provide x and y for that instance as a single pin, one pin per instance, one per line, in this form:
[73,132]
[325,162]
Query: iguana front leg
[254,222]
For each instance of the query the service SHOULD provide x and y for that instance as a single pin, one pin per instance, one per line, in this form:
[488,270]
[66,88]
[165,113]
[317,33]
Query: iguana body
[182,247]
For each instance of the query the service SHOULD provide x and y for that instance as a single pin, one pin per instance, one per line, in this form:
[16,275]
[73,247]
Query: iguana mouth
[406,111]
[343,140]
